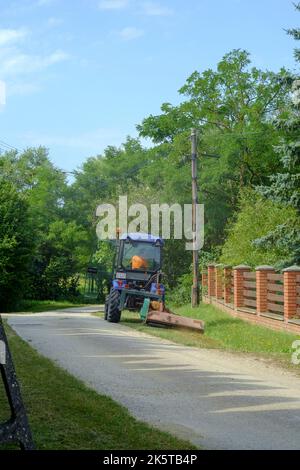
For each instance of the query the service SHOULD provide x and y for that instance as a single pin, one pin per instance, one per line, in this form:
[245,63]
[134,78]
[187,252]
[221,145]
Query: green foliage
[60,259]
[284,186]
[104,255]
[257,218]
[230,97]
[295,33]
[232,107]
[103,259]
[60,247]
[16,245]
[181,293]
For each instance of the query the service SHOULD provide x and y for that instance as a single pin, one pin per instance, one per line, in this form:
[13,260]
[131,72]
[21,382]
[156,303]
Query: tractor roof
[140,236]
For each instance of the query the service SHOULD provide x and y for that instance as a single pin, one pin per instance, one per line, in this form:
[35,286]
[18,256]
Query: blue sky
[80,74]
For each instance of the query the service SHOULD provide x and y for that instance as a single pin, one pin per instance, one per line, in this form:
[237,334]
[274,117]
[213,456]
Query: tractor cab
[139,258]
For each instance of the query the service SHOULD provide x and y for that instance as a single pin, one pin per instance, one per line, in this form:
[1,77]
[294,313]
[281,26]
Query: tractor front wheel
[113,311]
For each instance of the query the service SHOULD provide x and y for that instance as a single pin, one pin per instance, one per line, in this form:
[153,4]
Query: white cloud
[155,9]
[16,64]
[113,4]
[20,64]
[11,36]
[55,57]
[130,33]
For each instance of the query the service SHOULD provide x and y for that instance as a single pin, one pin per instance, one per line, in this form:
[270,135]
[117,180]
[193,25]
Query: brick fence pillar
[262,288]
[219,281]
[211,280]
[227,270]
[290,291]
[238,282]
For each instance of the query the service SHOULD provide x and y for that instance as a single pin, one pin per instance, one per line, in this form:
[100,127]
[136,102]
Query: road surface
[215,399]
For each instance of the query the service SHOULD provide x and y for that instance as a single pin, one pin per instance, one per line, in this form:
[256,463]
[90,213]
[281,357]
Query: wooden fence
[262,295]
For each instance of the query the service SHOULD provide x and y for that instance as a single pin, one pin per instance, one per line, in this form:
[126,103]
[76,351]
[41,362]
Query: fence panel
[275,277]
[249,291]
[251,276]
[276,308]
[275,297]
[275,287]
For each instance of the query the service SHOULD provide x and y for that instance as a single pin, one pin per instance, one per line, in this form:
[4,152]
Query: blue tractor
[136,283]
[136,274]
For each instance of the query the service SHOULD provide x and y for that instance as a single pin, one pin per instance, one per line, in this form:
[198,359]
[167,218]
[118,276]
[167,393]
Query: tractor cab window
[141,255]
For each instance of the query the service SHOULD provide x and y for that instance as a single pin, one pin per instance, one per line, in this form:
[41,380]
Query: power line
[8,146]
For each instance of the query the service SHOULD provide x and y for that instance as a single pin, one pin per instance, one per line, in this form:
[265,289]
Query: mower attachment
[164,316]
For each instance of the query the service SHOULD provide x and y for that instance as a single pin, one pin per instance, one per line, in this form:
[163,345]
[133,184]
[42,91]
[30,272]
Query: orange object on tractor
[138,262]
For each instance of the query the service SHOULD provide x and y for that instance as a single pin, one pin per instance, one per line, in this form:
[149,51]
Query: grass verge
[223,332]
[65,414]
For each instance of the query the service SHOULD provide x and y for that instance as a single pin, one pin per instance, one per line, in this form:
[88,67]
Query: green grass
[65,414]
[35,306]
[222,332]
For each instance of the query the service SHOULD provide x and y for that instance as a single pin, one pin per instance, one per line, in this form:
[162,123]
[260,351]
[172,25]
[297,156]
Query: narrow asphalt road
[214,399]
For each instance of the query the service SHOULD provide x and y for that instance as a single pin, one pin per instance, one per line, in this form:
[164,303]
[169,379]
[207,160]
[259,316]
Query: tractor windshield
[141,255]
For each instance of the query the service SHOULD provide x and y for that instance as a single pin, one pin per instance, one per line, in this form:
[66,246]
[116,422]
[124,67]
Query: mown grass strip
[223,332]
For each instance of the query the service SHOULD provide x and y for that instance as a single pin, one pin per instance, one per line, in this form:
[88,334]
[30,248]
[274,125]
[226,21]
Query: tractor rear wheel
[113,312]
[106,307]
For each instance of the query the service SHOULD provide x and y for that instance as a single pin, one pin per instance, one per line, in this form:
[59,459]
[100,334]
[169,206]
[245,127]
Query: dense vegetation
[247,117]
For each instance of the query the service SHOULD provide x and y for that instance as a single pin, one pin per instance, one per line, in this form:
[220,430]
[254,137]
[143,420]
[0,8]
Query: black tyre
[113,312]
[106,307]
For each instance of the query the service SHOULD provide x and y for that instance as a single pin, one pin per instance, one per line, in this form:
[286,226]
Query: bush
[60,257]
[257,218]
[181,294]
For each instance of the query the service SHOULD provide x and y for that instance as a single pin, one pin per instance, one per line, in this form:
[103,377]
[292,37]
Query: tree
[60,258]
[284,186]
[232,107]
[295,33]
[256,218]
[16,245]
[60,245]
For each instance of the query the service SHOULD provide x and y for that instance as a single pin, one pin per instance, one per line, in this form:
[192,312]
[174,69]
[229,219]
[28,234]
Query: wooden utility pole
[195,287]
